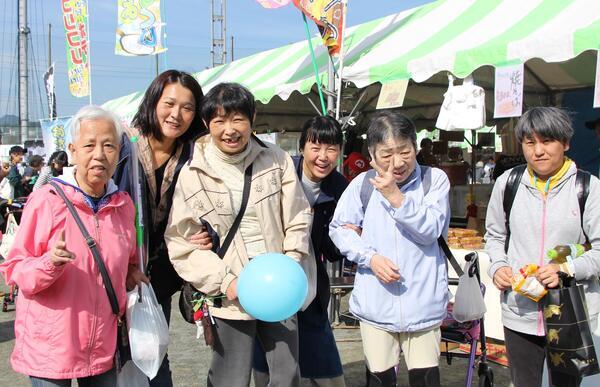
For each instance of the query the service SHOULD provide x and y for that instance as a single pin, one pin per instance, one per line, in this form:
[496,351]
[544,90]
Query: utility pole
[49,45]
[232,48]
[218,32]
[23,97]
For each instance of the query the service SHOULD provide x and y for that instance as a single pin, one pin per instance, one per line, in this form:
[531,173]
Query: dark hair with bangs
[229,98]
[321,130]
[145,119]
[548,122]
[389,123]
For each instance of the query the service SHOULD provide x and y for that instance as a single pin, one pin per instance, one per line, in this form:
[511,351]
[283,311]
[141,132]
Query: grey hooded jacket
[538,225]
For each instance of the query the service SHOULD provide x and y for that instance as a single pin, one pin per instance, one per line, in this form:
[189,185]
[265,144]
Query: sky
[253,27]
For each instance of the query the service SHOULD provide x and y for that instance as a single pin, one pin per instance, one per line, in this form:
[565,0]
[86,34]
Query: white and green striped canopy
[459,36]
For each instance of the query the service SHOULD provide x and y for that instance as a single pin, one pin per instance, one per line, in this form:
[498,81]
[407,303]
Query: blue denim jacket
[408,237]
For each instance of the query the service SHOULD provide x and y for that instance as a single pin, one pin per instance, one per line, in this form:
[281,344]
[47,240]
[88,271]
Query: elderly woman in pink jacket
[65,325]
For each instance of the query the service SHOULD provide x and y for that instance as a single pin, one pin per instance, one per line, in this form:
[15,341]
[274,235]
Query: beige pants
[382,348]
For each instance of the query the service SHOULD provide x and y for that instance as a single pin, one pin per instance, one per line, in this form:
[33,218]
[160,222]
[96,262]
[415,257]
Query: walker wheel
[486,376]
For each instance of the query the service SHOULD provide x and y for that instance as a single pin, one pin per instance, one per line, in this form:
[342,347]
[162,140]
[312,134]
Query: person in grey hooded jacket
[545,213]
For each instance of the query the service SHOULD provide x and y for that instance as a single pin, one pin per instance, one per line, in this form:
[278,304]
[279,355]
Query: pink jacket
[64,325]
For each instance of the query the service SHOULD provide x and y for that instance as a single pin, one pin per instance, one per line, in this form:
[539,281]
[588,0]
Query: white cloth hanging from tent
[463,107]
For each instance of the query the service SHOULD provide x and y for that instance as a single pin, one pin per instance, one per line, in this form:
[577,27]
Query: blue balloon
[272,287]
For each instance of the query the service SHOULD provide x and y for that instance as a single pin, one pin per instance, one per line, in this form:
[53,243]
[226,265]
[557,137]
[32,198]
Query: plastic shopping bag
[131,376]
[463,107]
[148,330]
[9,236]
[468,302]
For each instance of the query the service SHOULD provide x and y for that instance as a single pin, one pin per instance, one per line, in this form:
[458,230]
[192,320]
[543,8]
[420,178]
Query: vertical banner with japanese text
[508,91]
[329,16]
[56,134]
[139,30]
[75,20]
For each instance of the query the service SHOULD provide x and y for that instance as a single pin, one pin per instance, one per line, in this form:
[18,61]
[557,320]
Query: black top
[332,187]
[159,174]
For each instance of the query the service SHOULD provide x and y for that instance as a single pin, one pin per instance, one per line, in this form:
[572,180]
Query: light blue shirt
[408,237]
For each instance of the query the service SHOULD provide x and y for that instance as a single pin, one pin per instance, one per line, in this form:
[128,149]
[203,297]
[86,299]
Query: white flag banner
[508,91]
[597,88]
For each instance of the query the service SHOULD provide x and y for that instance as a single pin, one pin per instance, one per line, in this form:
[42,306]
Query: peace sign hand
[385,183]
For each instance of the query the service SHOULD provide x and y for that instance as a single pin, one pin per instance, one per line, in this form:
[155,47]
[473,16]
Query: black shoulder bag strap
[236,222]
[110,291]
[238,219]
[426,185]
[510,192]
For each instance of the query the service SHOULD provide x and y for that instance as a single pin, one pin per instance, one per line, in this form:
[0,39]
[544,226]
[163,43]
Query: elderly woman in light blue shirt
[391,231]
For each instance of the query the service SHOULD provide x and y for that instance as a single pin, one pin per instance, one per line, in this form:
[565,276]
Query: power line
[12,77]
[3,35]
[35,76]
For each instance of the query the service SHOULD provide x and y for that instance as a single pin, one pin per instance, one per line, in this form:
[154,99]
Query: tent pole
[341,62]
[330,86]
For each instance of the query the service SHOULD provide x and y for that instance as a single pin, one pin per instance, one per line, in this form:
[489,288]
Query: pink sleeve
[28,263]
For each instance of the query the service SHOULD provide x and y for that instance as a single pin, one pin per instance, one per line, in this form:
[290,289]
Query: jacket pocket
[43,325]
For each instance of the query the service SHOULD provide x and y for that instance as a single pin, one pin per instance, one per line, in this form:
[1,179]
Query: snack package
[525,283]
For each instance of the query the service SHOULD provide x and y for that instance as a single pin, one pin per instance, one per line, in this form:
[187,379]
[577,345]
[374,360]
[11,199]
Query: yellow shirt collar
[544,186]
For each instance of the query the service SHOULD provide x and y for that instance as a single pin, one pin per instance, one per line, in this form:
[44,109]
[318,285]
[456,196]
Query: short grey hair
[547,122]
[94,113]
[390,124]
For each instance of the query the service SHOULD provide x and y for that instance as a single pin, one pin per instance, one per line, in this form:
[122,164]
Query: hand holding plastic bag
[148,330]
[468,302]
